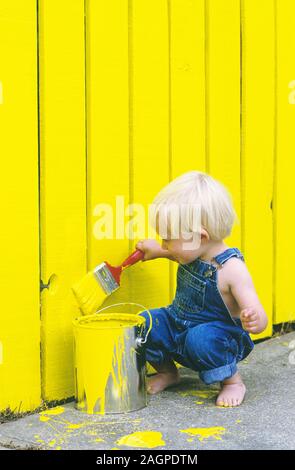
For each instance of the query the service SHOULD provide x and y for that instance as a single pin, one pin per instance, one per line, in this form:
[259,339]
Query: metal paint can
[109,362]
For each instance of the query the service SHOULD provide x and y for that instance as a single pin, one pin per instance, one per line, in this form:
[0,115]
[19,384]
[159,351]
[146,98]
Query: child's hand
[150,248]
[250,320]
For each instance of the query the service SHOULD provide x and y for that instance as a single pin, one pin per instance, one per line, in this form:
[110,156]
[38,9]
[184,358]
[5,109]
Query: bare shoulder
[235,271]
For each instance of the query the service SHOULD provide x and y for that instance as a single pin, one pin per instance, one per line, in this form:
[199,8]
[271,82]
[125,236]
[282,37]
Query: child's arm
[253,316]
[152,250]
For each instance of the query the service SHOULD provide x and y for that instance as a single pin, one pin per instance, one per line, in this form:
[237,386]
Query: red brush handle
[137,255]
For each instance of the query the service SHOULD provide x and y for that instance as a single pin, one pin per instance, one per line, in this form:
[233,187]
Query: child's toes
[222,400]
[219,401]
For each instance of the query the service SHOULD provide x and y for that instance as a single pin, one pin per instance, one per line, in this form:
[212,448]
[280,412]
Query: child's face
[183,249]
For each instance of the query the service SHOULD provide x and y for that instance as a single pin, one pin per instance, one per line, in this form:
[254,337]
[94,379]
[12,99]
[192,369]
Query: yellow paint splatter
[199,402]
[64,430]
[75,425]
[145,439]
[199,393]
[99,345]
[44,418]
[238,421]
[205,433]
[53,411]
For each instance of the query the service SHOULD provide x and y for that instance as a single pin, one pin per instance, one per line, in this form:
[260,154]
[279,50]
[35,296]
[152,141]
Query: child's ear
[204,234]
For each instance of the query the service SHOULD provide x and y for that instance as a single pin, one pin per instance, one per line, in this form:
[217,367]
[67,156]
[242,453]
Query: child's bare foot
[232,392]
[161,381]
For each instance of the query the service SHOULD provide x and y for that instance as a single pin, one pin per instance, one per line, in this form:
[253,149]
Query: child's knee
[209,346]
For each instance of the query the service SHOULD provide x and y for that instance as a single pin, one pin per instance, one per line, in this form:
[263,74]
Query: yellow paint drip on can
[143,439]
[109,364]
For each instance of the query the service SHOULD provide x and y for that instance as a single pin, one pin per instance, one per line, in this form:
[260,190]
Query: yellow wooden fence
[100,99]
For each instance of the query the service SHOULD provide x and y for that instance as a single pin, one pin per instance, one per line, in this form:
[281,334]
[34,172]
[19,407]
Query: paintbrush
[98,284]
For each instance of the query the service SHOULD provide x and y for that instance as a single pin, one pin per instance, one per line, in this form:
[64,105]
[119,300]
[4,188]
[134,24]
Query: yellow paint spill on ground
[145,439]
[53,411]
[64,430]
[205,433]
[75,426]
[44,418]
[199,393]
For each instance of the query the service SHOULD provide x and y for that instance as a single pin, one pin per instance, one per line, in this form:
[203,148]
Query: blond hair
[191,190]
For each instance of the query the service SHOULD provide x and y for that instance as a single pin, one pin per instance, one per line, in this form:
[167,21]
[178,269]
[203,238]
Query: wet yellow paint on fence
[128,95]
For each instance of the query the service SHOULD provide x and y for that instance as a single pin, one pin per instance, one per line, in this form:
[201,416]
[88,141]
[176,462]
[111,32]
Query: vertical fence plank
[187,93]
[284,197]
[149,170]
[19,272]
[108,136]
[187,65]
[62,185]
[223,99]
[257,145]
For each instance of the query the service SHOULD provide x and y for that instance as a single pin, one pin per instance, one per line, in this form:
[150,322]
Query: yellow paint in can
[99,355]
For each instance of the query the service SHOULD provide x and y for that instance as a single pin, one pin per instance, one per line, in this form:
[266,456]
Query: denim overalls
[197,330]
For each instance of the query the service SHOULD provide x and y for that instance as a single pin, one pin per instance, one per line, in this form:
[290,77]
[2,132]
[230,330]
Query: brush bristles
[89,294]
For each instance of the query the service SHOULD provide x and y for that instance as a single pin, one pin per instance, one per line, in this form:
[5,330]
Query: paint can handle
[139,341]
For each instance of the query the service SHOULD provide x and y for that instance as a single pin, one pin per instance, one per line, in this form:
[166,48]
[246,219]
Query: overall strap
[227,254]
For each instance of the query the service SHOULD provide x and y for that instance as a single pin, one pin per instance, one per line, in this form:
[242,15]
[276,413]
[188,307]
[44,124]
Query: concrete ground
[182,417]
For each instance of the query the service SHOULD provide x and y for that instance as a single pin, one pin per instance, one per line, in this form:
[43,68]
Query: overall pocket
[190,292]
